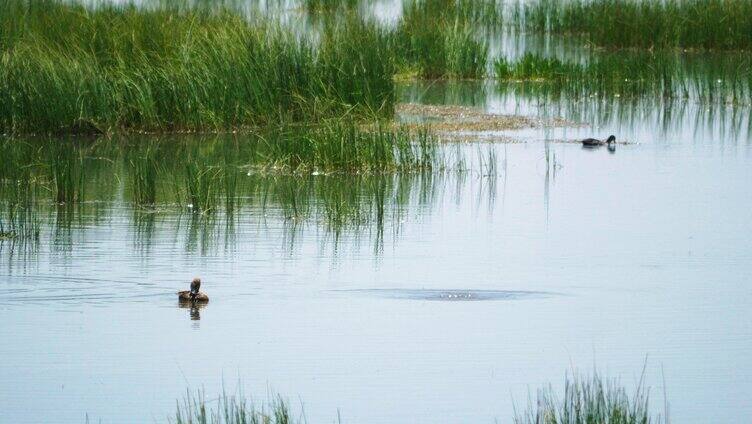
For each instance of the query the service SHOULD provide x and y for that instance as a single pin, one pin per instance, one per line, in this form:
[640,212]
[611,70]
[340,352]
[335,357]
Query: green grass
[704,24]
[725,78]
[205,172]
[64,67]
[590,400]
[143,162]
[448,12]
[232,410]
[586,400]
[341,177]
[329,5]
[440,39]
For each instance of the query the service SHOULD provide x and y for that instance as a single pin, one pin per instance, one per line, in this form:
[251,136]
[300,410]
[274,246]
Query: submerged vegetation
[705,24]
[339,175]
[208,166]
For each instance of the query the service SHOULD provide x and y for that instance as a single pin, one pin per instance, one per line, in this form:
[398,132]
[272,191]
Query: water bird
[594,142]
[193,295]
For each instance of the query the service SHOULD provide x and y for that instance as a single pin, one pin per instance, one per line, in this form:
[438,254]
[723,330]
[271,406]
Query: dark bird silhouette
[594,142]
[193,295]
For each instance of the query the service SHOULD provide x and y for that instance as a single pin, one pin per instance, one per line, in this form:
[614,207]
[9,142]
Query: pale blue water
[602,260]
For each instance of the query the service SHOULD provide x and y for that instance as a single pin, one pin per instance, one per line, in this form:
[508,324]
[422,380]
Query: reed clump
[725,79]
[704,24]
[64,67]
[589,400]
[232,410]
[440,38]
[344,147]
[329,5]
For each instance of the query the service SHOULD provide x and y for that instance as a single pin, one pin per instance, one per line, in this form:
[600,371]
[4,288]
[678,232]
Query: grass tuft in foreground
[586,400]
[195,409]
[590,400]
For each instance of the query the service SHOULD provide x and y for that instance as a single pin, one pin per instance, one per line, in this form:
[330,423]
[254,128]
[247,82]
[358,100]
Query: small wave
[451,295]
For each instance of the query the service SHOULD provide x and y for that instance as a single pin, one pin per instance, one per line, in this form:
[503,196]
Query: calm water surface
[477,290]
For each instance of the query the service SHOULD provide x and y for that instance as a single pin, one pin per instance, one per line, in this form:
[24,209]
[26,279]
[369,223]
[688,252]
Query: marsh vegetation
[69,68]
[585,400]
[688,24]
[212,118]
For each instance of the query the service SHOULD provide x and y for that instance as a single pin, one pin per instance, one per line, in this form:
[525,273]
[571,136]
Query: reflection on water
[487,280]
[194,310]
[444,291]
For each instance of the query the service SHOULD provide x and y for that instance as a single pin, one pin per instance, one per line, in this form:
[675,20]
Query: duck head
[611,139]
[195,285]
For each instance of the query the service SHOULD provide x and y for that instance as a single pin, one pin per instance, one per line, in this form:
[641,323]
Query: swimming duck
[594,142]
[193,295]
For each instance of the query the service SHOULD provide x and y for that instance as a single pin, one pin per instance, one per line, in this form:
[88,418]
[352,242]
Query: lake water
[475,289]
[452,300]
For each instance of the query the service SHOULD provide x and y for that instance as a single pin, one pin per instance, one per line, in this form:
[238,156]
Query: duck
[594,142]
[193,295]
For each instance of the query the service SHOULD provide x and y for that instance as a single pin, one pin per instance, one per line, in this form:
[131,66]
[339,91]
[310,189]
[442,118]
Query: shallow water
[448,297]
[587,259]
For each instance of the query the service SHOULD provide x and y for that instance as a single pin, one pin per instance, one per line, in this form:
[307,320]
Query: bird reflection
[194,308]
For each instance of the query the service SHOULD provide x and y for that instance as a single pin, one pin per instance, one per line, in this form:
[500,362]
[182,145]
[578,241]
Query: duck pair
[193,295]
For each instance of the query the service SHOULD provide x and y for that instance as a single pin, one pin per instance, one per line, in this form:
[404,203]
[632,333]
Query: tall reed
[727,78]
[706,24]
[232,410]
[64,66]
[441,38]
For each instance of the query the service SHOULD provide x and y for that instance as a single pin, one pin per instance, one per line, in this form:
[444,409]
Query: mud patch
[460,123]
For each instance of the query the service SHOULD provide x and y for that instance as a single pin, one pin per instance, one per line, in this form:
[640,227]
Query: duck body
[193,295]
[188,296]
[594,142]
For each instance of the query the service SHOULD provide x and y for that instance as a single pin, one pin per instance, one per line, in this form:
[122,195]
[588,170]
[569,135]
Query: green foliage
[706,24]
[590,400]
[164,69]
[666,75]
[439,38]
[232,410]
[329,5]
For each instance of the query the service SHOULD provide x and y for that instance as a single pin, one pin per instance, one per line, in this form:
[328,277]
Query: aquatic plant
[339,146]
[329,5]
[725,78]
[706,24]
[586,400]
[144,170]
[440,38]
[486,13]
[66,163]
[232,410]
[590,400]
[68,68]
